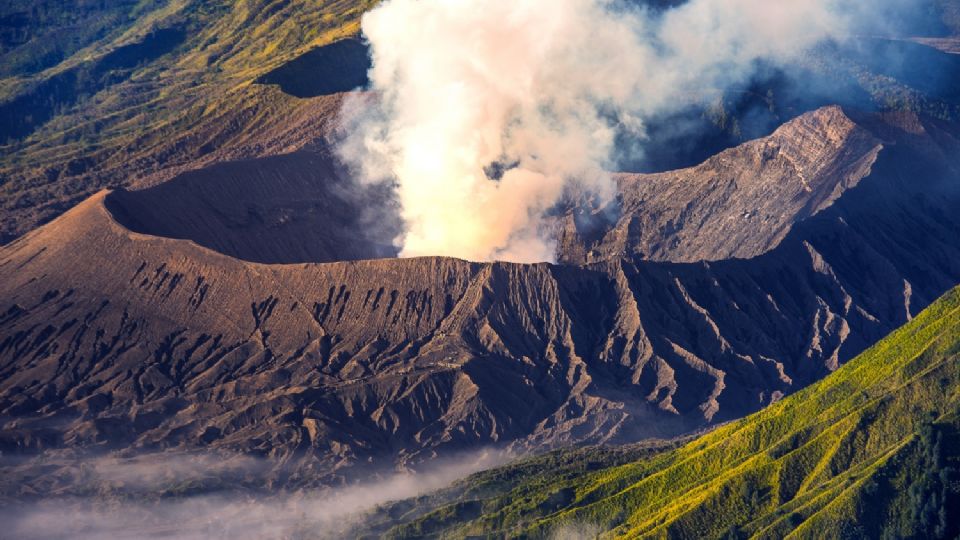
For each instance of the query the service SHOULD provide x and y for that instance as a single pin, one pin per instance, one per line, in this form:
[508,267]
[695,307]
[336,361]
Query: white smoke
[537,90]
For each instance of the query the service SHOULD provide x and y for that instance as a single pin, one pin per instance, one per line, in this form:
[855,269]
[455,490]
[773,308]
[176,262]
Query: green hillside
[872,451]
[106,93]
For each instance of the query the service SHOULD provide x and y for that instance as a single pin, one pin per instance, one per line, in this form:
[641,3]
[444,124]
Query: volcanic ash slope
[821,239]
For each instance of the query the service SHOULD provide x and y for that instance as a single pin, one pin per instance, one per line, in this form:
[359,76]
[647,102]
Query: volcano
[206,316]
[142,321]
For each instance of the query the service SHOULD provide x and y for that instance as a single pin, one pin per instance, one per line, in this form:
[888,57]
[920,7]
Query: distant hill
[872,451]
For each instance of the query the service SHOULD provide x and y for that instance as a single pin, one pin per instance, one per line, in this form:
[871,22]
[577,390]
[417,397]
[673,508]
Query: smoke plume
[489,110]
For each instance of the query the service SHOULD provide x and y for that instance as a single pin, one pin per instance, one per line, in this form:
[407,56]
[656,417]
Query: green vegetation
[873,451]
[130,88]
[490,491]
[40,34]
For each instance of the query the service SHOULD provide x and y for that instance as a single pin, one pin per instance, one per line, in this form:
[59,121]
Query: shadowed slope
[338,67]
[281,209]
[130,105]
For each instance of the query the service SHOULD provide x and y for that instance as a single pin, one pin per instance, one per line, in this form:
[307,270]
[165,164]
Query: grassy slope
[40,34]
[113,126]
[868,452]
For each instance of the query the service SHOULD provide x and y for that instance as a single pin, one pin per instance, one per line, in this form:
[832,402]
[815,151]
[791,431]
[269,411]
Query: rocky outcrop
[117,340]
[738,204]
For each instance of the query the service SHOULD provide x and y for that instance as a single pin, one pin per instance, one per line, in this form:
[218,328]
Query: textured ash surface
[113,340]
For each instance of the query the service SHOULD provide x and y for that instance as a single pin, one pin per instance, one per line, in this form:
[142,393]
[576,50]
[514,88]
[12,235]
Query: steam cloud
[490,109]
[108,497]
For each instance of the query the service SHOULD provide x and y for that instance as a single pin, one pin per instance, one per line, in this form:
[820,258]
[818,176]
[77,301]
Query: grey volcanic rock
[117,340]
[739,203]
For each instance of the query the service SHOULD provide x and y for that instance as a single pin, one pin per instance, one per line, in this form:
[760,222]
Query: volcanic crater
[242,307]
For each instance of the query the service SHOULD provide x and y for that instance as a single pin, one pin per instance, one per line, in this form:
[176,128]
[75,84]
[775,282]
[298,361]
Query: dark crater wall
[338,67]
[281,209]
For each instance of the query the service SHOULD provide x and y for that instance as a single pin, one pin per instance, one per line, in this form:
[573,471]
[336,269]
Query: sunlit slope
[871,451]
[128,91]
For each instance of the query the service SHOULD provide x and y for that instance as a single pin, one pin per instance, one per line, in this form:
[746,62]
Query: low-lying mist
[188,496]
[489,111]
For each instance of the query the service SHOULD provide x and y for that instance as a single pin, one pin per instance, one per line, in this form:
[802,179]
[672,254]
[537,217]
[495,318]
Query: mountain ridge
[120,340]
[866,452]
[667,217]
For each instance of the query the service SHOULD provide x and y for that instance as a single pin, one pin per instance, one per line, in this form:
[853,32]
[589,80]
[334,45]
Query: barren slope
[739,203]
[869,452]
[113,339]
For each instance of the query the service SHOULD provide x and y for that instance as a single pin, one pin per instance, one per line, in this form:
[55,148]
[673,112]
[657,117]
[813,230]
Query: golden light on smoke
[539,89]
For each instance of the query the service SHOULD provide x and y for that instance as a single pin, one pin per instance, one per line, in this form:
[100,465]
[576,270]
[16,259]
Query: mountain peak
[738,204]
